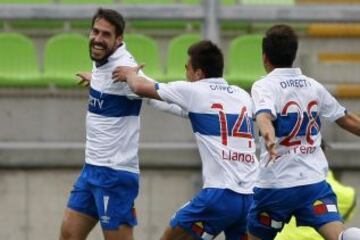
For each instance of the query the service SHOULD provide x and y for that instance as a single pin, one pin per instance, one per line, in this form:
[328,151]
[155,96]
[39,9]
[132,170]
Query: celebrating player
[109,182]
[221,119]
[288,107]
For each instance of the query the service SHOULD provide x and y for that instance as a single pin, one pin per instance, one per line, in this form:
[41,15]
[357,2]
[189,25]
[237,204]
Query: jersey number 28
[289,140]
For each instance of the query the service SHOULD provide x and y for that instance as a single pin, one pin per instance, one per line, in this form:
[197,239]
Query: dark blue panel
[111,105]
[209,124]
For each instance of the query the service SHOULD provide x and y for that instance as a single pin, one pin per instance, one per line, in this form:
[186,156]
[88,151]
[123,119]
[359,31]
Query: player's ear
[199,74]
[264,58]
[119,40]
[266,62]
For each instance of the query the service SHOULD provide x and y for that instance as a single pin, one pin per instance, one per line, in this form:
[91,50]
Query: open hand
[85,78]
[270,145]
[121,73]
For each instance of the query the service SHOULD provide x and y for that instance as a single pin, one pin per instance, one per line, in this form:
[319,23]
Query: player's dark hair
[206,56]
[113,17]
[280,45]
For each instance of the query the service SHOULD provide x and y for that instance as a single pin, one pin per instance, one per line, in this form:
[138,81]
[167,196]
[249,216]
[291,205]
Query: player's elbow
[136,89]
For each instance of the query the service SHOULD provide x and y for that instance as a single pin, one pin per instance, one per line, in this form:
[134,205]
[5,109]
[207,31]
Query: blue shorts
[107,195]
[312,205]
[212,211]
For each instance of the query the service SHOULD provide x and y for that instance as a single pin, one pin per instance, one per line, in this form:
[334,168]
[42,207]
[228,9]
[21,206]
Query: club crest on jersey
[198,229]
[265,219]
[321,207]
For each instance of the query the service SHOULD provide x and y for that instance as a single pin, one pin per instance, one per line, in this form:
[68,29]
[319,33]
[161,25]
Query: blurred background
[44,42]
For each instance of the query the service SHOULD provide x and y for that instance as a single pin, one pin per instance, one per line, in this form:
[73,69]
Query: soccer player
[108,184]
[221,119]
[288,107]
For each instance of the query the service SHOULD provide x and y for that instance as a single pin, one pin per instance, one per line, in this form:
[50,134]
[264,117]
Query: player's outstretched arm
[171,108]
[350,122]
[139,85]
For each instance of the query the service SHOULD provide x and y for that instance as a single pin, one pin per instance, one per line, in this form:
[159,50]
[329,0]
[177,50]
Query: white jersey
[221,118]
[296,103]
[112,122]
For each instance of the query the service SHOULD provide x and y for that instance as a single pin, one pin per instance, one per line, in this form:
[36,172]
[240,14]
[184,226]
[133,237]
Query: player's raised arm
[139,85]
[350,122]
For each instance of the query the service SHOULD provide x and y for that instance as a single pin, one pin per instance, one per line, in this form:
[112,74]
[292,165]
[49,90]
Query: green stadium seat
[36,24]
[229,2]
[65,55]
[177,55]
[268,2]
[145,50]
[147,1]
[26,1]
[163,24]
[224,2]
[18,62]
[235,25]
[81,24]
[86,1]
[245,61]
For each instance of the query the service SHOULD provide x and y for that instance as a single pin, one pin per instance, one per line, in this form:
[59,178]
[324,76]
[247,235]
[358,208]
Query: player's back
[296,103]
[221,117]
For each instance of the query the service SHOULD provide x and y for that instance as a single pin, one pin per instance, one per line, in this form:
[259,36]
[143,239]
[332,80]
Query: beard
[107,51]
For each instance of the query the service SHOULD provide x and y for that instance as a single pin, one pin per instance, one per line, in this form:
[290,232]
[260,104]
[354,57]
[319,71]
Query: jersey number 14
[235,132]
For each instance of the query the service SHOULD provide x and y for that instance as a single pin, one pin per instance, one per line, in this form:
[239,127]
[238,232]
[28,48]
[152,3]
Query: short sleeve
[129,61]
[263,99]
[330,108]
[178,92]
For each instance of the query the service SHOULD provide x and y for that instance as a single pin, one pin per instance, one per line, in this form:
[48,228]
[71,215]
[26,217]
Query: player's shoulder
[240,91]
[315,84]
[266,82]
[123,57]
[178,85]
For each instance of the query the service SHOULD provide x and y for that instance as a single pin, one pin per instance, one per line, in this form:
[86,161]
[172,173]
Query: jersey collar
[214,80]
[285,71]
[118,53]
